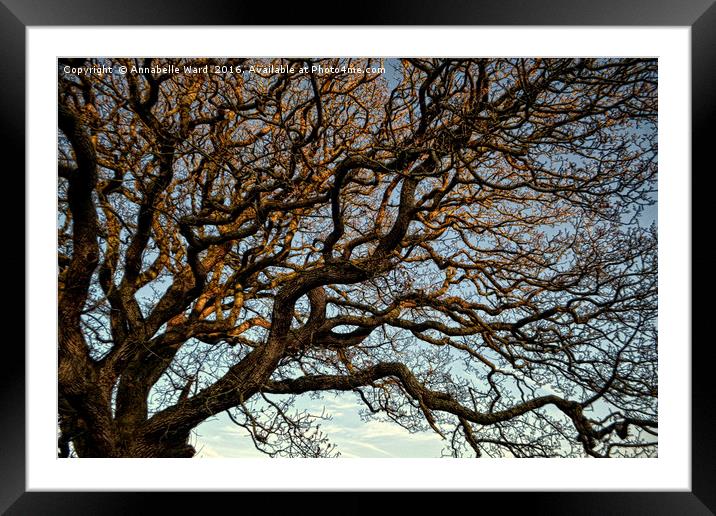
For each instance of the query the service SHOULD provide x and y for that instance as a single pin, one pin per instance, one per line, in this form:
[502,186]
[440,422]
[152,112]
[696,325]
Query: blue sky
[219,437]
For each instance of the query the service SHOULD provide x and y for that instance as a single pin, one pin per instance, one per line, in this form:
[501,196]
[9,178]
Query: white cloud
[354,437]
[352,444]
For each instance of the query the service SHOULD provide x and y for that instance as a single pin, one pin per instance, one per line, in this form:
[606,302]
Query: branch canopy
[467,246]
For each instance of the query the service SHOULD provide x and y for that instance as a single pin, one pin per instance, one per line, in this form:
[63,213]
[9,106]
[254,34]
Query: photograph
[357,257]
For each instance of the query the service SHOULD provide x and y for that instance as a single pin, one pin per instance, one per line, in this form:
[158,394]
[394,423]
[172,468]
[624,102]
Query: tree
[465,244]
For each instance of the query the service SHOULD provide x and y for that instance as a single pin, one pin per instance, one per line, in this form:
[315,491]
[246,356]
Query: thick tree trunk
[89,442]
[93,448]
[174,448]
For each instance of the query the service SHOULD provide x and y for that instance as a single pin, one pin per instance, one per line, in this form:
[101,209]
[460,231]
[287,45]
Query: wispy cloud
[354,437]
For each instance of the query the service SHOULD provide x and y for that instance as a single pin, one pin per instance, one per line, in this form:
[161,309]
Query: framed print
[448,223]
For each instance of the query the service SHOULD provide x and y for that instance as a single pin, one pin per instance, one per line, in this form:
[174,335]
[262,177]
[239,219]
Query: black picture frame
[700,15]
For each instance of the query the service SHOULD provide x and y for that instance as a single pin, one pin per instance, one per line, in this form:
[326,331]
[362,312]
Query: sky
[219,437]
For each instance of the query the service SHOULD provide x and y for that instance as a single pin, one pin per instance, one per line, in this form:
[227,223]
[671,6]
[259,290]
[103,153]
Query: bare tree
[461,243]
